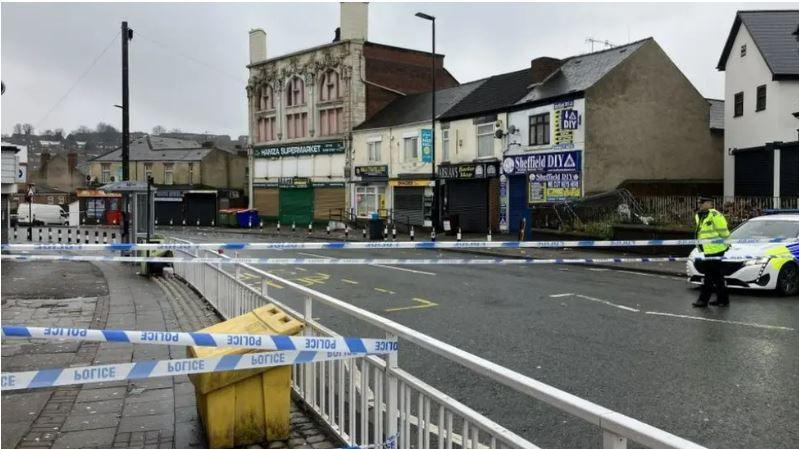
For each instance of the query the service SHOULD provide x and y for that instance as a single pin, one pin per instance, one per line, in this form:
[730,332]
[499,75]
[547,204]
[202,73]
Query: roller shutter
[265,202]
[469,200]
[789,172]
[754,173]
[409,205]
[169,210]
[200,207]
[327,199]
[296,206]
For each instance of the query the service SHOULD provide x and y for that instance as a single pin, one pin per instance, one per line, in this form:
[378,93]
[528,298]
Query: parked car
[43,214]
[770,266]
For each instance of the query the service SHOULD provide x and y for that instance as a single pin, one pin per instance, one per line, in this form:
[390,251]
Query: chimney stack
[257,45]
[72,161]
[354,21]
[542,67]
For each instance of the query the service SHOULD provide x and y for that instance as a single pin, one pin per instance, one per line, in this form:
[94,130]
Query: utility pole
[127,35]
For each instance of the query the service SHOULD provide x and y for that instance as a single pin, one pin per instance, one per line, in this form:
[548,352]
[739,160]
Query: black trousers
[713,280]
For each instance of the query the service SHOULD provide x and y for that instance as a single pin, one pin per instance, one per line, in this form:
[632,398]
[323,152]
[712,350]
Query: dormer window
[743,50]
[295,92]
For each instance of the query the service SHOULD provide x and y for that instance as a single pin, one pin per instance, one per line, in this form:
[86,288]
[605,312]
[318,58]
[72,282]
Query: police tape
[161,368]
[331,261]
[239,246]
[353,345]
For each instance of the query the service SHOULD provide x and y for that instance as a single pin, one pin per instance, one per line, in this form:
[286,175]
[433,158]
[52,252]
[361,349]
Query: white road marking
[714,320]
[606,302]
[561,295]
[405,269]
[599,269]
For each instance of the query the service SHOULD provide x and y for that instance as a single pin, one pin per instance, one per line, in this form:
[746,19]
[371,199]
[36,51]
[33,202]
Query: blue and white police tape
[238,246]
[161,368]
[354,345]
[314,261]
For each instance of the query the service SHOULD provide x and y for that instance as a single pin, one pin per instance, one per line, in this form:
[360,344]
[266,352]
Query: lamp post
[434,218]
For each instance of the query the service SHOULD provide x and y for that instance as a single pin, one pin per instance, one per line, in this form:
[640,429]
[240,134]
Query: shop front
[369,191]
[535,179]
[467,191]
[99,207]
[412,201]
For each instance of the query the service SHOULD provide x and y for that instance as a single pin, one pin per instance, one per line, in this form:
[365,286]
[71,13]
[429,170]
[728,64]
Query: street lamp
[434,206]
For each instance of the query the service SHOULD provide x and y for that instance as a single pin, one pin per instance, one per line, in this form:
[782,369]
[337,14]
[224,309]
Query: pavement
[152,413]
[625,339]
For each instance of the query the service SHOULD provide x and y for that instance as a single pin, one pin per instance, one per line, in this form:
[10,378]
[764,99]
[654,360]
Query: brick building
[303,106]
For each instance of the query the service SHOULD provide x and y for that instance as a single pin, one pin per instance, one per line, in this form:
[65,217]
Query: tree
[48,132]
[175,131]
[27,128]
[18,129]
[83,129]
[105,128]
[59,133]
[158,130]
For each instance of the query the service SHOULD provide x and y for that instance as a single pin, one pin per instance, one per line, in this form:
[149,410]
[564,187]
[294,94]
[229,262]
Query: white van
[46,214]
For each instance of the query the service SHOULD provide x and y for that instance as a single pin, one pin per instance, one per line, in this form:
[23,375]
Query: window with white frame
[410,148]
[368,199]
[485,140]
[169,174]
[374,151]
[105,173]
[445,144]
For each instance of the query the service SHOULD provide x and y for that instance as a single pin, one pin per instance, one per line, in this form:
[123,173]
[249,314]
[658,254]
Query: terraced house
[303,106]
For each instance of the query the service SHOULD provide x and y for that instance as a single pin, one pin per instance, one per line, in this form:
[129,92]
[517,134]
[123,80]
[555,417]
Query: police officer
[711,224]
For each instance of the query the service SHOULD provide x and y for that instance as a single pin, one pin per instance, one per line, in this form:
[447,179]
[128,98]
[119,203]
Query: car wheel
[788,280]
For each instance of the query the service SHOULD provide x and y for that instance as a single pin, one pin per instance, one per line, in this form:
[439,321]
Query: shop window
[410,150]
[374,151]
[444,144]
[761,98]
[105,173]
[169,174]
[95,208]
[485,140]
[539,129]
[369,199]
[739,104]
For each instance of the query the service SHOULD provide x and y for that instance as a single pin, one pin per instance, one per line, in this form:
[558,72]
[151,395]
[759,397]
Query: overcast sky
[188,60]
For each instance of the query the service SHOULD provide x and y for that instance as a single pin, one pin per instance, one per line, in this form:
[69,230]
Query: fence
[369,400]
[680,210]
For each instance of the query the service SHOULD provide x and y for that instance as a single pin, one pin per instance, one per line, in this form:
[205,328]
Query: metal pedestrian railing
[371,399]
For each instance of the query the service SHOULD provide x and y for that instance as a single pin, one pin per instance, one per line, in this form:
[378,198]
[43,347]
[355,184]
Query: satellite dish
[512,129]
[498,134]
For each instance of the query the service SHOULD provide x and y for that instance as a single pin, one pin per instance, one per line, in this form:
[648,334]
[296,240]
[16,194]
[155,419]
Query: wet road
[724,378]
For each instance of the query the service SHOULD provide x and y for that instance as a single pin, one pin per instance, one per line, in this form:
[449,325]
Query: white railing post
[309,379]
[264,288]
[611,440]
[391,386]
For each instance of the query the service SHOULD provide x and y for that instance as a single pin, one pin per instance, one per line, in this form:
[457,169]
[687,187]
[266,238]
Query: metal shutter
[409,205]
[296,206]
[266,202]
[789,172]
[327,198]
[754,173]
[469,200]
[200,206]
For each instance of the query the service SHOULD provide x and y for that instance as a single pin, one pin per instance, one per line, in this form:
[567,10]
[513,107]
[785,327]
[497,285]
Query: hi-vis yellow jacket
[713,226]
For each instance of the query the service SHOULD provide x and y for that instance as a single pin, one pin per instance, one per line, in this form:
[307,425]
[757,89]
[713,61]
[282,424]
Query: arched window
[329,86]
[267,99]
[295,92]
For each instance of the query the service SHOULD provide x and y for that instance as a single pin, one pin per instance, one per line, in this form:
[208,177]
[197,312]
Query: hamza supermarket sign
[332,147]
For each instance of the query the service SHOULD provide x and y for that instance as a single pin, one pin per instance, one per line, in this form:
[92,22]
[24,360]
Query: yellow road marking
[382,290]
[300,269]
[349,281]
[307,281]
[423,304]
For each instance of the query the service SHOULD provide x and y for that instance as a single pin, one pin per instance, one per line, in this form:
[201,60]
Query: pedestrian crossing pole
[412,233]
[364,233]
[459,234]
[346,232]
[433,234]
[105,238]
[310,227]
[293,226]
[114,237]
[261,226]
[489,237]
[15,233]
[69,235]
[59,236]
[278,226]
[96,237]
[170,222]
[394,233]
[49,235]
[327,229]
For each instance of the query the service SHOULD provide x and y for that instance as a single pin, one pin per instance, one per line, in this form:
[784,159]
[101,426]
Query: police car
[770,266]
